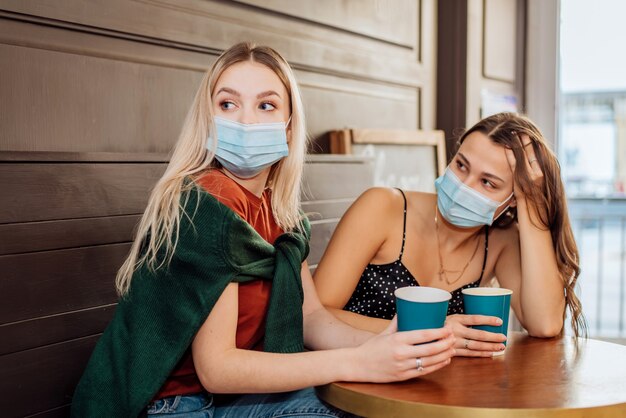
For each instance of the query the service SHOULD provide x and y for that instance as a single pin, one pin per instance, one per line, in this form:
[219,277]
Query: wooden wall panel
[393,21]
[350,103]
[499,39]
[215,25]
[321,232]
[326,209]
[55,235]
[80,103]
[495,53]
[51,282]
[326,199]
[47,376]
[59,412]
[166,43]
[41,192]
[52,329]
[321,174]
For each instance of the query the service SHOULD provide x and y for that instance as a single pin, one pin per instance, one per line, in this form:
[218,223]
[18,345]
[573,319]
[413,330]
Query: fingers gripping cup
[490,301]
[421,307]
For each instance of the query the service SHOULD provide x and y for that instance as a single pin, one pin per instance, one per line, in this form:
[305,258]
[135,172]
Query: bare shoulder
[421,198]
[421,205]
[378,207]
[379,200]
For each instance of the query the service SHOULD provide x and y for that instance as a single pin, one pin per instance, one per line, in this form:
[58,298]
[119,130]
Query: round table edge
[367,406]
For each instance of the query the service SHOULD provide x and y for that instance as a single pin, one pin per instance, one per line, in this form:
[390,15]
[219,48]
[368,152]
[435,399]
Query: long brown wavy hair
[507,129]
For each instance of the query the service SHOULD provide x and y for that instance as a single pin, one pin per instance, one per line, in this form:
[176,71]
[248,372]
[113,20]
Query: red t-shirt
[253,296]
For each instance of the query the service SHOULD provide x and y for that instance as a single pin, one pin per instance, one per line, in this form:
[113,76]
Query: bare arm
[375,325]
[390,356]
[529,268]
[223,368]
[362,231]
[322,330]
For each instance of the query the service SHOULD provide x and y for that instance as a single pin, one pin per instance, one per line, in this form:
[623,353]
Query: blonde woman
[500,211]
[215,294]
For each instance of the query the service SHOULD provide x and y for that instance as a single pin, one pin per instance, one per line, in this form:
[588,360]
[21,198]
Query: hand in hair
[533,168]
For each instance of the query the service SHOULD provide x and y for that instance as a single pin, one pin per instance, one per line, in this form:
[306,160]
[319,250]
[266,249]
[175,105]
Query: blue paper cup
[490,301]
[421,307]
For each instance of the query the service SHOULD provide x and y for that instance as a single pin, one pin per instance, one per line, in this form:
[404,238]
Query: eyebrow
[268,93]
[258,96]
[488,175]
[228,90]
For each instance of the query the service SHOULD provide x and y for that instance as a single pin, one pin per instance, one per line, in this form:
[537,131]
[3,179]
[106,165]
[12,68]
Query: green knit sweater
[154,324]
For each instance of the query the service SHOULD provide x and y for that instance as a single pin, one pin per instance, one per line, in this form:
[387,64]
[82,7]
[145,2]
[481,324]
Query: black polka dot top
[374,296]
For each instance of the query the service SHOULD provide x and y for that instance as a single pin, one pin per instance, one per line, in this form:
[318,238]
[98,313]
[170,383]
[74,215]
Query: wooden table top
[534,378]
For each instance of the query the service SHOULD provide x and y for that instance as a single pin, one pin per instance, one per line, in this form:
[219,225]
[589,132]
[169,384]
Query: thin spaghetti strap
[403,225]
[486,251]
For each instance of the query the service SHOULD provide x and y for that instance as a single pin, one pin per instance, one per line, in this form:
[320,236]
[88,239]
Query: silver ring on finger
[419,365]
[466,345]
[532,161]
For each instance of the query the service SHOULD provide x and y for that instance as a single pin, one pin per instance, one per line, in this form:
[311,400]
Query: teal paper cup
[490,301]
[421,307]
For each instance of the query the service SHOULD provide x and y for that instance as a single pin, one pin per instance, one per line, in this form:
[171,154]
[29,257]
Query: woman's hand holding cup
[395,356]
[474,342]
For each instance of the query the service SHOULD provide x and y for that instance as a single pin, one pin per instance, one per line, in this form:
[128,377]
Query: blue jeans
[183,406]
[298,404]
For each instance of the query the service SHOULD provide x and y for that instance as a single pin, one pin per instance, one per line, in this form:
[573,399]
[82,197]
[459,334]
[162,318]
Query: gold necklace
[443,273]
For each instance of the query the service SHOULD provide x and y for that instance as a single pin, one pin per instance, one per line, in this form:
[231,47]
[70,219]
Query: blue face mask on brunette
[463,206]
[247,149]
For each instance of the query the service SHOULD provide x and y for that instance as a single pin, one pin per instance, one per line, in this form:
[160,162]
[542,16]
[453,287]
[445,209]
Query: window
[592,152]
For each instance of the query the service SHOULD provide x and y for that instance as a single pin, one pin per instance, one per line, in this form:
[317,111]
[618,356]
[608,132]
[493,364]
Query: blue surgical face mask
[463,206]
[247,149]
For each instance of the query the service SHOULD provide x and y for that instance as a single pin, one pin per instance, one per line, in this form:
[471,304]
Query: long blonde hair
[506,129]
[159,225]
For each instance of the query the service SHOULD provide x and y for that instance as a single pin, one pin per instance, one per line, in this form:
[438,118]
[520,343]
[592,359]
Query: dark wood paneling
[40,192]
[75,102]
[44,378]
[55,235]
[60,412]
[451,69]
[24,335]
[397,25]
[212,26]
[51,282]
[82,157]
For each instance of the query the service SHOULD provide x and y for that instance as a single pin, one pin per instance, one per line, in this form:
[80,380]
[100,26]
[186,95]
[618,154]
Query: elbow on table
[548,329]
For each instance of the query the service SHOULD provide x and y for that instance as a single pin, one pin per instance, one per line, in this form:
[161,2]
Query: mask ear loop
[288,129]
[505,209]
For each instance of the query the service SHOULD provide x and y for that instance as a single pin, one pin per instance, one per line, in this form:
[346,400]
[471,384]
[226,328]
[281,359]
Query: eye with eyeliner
[227,105]
[271,105]
[488,184]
